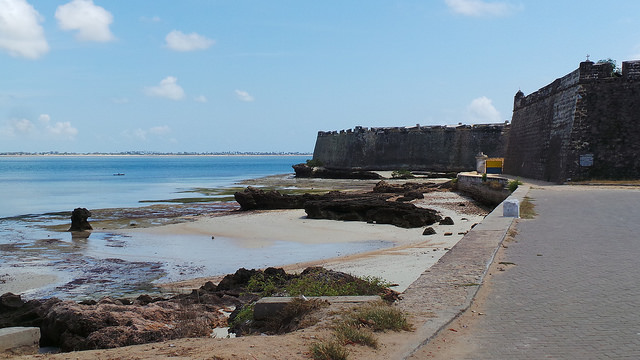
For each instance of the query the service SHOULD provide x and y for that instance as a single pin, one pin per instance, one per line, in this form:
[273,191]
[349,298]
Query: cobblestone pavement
[574,291]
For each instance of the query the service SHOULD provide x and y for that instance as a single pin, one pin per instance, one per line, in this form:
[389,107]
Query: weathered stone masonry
[433,148]
[590,114]
[585,125]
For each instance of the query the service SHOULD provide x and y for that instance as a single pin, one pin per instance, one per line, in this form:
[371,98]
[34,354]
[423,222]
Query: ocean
[42,184]
[37,195]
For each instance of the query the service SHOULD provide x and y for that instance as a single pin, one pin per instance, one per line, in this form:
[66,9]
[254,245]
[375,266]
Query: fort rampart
[585,125]
[431,148]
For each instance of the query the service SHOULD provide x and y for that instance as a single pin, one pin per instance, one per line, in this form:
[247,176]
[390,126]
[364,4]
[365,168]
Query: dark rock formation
[429,231]
[306,171]
[16,312]
[411,195]
[79,220]
[302,170]
[111,322]
[385,187]
[371,210]
[252,198]
[256,199]
[446,221]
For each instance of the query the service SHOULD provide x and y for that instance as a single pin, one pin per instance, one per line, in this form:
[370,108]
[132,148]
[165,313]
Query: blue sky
[239,75]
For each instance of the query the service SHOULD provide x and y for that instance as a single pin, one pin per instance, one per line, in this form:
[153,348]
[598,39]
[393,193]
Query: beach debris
[448,234]
[79,220]
[429,231]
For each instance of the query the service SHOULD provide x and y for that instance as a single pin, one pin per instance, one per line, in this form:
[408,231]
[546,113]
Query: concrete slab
[270,306]
[26,339]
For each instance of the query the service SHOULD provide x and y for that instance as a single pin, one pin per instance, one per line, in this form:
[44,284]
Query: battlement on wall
[591,113]
[412,129]
[587,72]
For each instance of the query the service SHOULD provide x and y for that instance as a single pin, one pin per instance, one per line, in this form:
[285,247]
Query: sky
[262,76]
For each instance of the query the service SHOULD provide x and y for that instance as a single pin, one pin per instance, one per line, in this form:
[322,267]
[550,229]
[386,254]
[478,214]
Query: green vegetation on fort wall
[402,174]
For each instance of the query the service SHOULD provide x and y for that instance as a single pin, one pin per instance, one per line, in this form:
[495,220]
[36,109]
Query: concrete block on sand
[22,339]
[270,306]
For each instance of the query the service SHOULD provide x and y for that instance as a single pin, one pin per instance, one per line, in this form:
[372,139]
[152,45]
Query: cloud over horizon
[178,41]
[480,8]
[143,134]
[20,31]
[244,96]
[24,127]
[89,20]
[168,88]
[482,111]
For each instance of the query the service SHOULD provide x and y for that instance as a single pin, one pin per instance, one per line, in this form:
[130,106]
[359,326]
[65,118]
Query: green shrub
[484,177]
[513,185]
[495,185]
[350,334]
[379,316]
[314,163]
[328,350]
[244,316]
[402,174]
[265,286]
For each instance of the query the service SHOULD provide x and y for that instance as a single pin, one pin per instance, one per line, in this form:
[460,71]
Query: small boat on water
[118,174]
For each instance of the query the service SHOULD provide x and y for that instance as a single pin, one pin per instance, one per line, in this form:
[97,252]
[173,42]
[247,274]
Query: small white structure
[481,163]
[511,208]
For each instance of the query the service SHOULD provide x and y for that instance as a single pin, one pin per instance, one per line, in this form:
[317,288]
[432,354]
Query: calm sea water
[35,190]
[41,184]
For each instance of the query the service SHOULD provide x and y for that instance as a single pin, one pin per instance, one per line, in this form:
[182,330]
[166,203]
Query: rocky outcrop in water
[306,171]
[79,220]
[385,187]
[372,210]
[256,199]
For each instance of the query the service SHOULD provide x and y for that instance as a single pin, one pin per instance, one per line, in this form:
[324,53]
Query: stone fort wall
[429,148]
[585,125]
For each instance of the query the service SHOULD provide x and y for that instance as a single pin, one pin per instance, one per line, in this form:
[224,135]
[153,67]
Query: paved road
[574,292]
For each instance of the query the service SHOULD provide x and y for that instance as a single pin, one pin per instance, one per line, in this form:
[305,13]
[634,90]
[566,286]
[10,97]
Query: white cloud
[17,127]
[20,31]
[201,99]
[25,127]
[143,134]
[481,8]
[244,96]
[482,111]
[91,21]
[153,19]
[62,130]
[168,88]
[160,130]
[178,41]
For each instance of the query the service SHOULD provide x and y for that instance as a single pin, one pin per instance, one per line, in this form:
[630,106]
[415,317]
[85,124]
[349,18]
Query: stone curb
[448,288]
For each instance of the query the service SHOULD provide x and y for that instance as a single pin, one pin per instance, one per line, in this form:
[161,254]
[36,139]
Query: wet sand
[187,250]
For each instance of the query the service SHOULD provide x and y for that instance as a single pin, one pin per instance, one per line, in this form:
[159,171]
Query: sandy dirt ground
[411,254]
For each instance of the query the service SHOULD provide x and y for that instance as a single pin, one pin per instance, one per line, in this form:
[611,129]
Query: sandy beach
[409,252]
[406,254]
